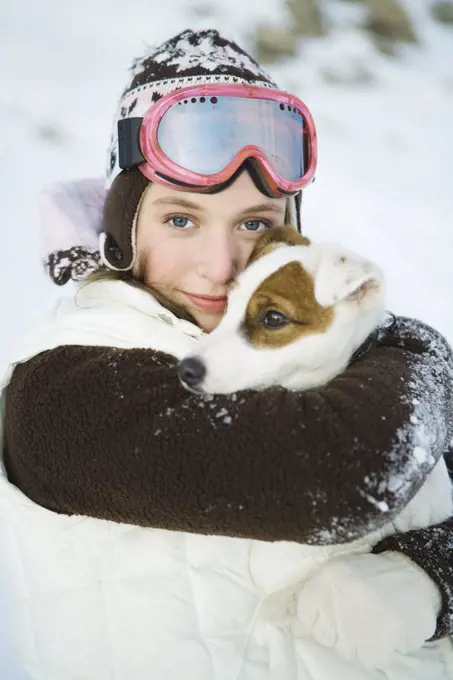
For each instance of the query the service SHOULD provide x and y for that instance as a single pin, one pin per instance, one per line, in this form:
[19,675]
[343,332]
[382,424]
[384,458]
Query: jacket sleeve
[110,433]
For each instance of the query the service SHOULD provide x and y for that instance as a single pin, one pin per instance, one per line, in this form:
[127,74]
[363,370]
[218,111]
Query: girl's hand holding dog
[368,607]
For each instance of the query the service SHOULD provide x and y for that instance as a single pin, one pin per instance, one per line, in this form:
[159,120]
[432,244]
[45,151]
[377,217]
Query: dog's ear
[343,275]
[275,238]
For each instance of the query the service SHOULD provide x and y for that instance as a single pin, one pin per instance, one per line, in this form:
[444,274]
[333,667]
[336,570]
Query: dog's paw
[367,607]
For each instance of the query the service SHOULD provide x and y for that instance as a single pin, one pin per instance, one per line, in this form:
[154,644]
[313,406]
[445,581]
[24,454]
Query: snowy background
[385,180]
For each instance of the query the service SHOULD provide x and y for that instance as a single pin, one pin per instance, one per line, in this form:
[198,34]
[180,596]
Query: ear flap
[343,275]
[275,238]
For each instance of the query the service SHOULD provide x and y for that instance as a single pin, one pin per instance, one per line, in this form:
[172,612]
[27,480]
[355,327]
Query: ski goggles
[196,138]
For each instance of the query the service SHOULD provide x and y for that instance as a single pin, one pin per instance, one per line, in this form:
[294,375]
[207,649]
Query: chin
[208,322]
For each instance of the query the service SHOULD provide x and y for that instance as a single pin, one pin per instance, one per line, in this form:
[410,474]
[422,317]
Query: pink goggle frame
[159,167]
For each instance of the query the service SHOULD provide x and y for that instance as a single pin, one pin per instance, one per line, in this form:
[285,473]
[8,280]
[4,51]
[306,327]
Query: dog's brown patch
[275,238]
[290,291]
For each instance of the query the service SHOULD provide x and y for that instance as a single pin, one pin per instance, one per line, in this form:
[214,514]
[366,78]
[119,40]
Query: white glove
[367,607]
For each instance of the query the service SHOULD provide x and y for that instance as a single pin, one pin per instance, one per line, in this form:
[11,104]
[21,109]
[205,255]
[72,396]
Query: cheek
[245,250]
[162,259]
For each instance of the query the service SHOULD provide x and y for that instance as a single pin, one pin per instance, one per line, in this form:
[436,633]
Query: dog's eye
[274,320]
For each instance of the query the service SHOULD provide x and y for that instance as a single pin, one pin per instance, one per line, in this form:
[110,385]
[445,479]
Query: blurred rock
[354,74]
[51,134]
[443,12]
[307,19]
[272,44]
[202,11]
[387,46]
[389,22]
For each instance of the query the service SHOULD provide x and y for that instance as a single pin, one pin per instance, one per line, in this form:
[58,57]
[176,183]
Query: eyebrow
[184,203]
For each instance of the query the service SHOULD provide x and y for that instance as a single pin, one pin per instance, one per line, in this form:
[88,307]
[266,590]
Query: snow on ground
[384,185]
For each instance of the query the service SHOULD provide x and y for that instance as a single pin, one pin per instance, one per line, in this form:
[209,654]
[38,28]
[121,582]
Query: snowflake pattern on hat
[195,53]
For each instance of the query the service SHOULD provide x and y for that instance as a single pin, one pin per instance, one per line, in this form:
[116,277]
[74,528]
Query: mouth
[215,304]
[195,390]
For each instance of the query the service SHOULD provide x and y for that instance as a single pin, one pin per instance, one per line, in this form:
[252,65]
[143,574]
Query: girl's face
[191,246]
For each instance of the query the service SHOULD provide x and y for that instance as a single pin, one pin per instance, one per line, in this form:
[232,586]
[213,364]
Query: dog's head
[295,316]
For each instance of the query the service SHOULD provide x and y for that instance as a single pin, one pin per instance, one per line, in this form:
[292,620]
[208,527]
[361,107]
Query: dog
[295,317]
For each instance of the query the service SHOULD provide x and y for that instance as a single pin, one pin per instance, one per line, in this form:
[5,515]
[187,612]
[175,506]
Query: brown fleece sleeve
[432,550]
[110,433]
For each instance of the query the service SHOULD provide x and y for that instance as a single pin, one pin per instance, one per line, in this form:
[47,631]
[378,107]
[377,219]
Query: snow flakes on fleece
[423,434]
[418,443]
[216,415]
[219,414]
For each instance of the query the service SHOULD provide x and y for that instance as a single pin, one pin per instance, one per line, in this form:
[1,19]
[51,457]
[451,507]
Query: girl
[136,513]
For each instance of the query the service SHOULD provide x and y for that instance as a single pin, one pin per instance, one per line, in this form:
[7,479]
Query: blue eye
[255,225]
[179,221]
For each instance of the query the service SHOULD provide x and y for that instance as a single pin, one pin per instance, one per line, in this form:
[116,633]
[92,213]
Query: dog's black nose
[192,371]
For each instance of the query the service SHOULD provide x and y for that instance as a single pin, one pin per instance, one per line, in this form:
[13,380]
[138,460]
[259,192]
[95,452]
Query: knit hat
[189,58]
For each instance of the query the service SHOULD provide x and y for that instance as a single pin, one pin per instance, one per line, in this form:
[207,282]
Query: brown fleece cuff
[431,549]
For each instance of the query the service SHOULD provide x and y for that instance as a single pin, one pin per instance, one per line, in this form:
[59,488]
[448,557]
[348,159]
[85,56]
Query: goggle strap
[129,153]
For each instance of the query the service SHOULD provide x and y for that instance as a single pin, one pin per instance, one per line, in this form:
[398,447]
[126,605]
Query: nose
[191,371]
[220,257]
